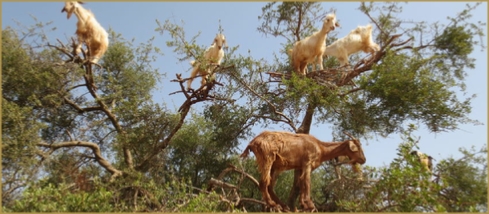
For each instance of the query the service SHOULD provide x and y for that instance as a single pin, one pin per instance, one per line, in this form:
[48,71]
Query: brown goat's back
[265,146]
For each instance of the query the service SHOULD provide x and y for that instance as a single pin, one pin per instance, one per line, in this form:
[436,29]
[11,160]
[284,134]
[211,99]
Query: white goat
[212,58]
[89,31]
[312,47]
[359,39]
[426,160]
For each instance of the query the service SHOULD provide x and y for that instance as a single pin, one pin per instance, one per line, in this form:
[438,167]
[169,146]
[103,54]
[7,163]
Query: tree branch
[95,149]
[80,109]
[89,83]
[199,95]
[274,108]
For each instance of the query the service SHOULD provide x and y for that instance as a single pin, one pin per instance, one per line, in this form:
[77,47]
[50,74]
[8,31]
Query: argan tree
[76,133]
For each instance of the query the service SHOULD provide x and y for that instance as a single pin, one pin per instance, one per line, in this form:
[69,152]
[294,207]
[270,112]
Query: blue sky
[239,21]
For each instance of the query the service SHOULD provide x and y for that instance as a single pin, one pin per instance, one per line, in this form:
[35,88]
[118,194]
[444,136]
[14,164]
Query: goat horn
[349,135]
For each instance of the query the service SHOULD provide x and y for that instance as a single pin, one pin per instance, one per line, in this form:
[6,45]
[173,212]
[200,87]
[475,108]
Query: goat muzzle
[360,161]
[63,10]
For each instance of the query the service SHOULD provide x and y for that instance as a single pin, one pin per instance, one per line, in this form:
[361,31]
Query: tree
[102,116]
[399,83]
[96,129]
[464,181]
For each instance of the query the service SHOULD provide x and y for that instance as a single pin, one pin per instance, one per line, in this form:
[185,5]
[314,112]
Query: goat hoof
[310,210]
[276,208]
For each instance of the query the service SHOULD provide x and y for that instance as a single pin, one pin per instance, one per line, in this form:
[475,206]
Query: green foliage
[29,77]
[404,185]
[404,87]
[202,147]
[147,125]
[464,182]
[455,41]
[202,203]
[128,77]
[57,198]
[30,102]
[19,135]
[173,195]
[292,20]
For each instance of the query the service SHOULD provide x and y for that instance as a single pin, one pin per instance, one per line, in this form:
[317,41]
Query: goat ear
[369,27]
[352,145]
[226,47]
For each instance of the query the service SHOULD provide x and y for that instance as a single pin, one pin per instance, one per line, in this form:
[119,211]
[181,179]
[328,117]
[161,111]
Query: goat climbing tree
[405,59]
[74,132]
[410,79]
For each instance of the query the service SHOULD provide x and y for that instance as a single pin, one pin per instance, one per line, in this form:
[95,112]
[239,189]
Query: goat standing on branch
[359,39]
[279,151]
[89,31]
[312,47]
[212,58]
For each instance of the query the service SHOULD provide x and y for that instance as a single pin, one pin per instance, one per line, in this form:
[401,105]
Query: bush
[52,198]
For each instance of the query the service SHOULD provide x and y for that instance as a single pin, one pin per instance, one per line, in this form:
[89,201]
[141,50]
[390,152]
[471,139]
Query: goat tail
[246,152]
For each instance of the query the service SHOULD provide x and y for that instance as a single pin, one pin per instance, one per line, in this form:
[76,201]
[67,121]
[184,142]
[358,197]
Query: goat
[312,47]
[212,56]
[359,39]
[289,53]
[89,31]
[279,151]
[425,160]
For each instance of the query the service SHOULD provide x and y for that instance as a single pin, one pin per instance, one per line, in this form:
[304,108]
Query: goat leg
[294,191]
[274,197]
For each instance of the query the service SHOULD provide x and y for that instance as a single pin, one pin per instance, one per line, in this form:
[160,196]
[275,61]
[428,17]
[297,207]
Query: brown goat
[279,151]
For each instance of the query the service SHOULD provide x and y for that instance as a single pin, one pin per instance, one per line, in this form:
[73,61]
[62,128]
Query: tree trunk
[307,121]
[304,129]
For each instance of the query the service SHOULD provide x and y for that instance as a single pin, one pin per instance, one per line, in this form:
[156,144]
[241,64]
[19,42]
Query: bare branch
[199,95]
[287,119]
[349,92]
[80,109]
[215,182]
[375,22]
[96,152]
